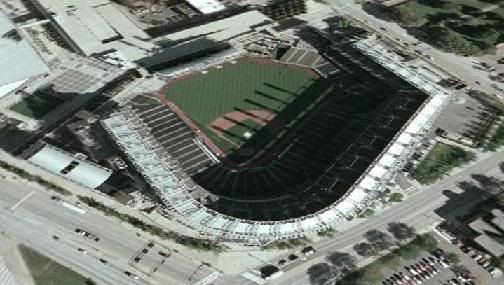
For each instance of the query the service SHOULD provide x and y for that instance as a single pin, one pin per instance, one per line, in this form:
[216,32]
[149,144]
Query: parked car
[131,275]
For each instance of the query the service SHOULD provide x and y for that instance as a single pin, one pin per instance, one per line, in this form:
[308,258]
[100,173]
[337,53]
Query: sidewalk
[11,259]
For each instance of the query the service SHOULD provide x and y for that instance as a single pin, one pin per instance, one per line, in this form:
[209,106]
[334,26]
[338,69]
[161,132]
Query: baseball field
[245,105]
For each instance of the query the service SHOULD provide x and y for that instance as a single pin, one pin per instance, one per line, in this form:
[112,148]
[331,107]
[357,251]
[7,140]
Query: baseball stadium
[262,148]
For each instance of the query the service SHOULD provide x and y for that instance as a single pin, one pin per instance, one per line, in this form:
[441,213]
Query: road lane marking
[253,278]
[209,279]
[73,208]
[22,200]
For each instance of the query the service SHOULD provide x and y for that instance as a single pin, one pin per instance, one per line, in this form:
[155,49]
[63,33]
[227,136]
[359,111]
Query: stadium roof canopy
[61,163]
[378,171]
[18,61]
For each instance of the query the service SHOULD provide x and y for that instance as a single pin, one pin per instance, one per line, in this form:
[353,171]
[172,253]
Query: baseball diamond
[245,106]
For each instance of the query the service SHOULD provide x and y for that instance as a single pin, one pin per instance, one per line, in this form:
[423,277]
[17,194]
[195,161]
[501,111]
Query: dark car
[292,257]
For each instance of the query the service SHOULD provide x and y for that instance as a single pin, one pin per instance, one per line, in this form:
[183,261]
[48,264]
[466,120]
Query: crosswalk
[253,278]
[6,277]
[209,279]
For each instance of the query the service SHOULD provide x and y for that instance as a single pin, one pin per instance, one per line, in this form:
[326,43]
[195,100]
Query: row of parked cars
[483,259]
[424,269]
[460,280]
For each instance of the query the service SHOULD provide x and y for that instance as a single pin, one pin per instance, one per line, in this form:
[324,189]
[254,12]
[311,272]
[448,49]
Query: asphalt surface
[34,219]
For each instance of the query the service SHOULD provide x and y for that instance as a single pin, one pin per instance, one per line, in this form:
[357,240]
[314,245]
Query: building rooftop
[18,60]
[490,229]
[224,29]
[207,6]
[82,76]
[62,163]
[97,26]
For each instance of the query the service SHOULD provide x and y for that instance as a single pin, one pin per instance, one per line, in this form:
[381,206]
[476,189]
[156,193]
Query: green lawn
[466,27]
[439,161]
[245,86]
[496,140]
[37,105]
[47,272]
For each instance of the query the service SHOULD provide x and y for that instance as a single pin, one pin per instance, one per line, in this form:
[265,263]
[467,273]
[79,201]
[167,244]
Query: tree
[329,232]
[365,249]
[321,273]
[427,242]
[380,240]
[409,251]
[405,17]
[401,231]
[453,257]
[343,262]
[396,197]
[460,270]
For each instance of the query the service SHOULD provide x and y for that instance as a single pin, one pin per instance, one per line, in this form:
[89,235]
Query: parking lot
[480,274]
[439,268]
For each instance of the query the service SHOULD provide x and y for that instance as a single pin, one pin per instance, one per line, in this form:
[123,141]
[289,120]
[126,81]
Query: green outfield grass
[37,105]
[284,92]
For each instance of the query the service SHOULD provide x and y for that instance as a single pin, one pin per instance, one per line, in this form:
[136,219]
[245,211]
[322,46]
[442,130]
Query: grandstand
[324,171]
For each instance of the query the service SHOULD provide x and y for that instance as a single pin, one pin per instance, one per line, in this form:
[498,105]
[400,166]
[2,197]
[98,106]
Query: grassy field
[245,86]
[466,27]
[439,161]
[47,272]
[37,105]
[496,140]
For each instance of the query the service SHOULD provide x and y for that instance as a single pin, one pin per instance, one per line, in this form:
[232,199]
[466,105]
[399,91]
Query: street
[31,217]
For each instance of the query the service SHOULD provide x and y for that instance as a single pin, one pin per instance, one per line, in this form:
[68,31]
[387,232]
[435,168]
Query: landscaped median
[46,271]
[496,140]
[34,178]
[372,273]
[440,160]
[191,242]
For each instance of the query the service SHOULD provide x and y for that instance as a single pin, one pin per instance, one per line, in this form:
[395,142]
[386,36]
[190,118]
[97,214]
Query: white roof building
[207,6]
[64,164]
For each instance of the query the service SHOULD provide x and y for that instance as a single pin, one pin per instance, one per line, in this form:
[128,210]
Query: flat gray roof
[224,29]
[18,60]
[96,26]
